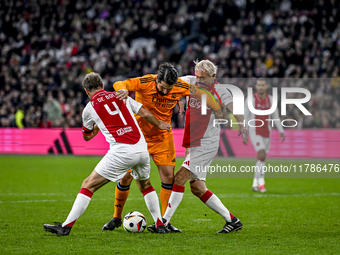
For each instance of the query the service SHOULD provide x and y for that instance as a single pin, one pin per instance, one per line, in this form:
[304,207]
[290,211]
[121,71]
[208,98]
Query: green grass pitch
[295,216]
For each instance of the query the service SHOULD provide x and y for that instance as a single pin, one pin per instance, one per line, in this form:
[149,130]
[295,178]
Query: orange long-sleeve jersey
[160,106]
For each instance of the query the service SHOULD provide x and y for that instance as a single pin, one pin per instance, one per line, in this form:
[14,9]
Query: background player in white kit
[128,149]
[203,141]
[260,136]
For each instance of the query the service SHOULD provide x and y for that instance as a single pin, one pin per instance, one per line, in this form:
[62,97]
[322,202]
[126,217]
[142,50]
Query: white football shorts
[114,165]
[260,142]
[198,160]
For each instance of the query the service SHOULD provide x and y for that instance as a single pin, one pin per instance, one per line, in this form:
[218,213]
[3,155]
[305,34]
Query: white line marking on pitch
[278,195]
[33,194]
[53,200]
[190,197]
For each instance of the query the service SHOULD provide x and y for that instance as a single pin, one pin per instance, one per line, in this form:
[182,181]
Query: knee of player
[167,178]
[261,155]
[179,180]
[182,176]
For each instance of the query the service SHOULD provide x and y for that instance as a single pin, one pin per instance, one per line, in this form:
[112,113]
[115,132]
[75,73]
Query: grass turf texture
[296,216]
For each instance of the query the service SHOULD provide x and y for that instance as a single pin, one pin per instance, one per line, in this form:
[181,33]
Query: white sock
[152,203]
[174,201]
[255,181]
[215,204]
[79,206]
[259,173]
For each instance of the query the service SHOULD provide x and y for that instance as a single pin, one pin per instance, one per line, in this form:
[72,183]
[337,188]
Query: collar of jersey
[97,93]
[258,96]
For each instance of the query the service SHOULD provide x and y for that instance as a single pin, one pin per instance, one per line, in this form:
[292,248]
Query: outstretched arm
[149,117]
[123,87]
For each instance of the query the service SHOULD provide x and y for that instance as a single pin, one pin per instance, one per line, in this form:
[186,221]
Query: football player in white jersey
[128,150]
[203,141]
[259,131]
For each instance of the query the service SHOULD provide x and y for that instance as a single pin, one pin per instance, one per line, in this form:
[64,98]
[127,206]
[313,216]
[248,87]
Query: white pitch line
[54,200]
[189,197]
[34,194]
[28,201]
[278,195]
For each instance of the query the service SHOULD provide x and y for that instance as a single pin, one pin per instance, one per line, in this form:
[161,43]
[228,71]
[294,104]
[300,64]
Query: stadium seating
[48,46]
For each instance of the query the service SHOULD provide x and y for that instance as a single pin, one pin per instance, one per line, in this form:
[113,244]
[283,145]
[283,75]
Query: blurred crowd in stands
[47,47]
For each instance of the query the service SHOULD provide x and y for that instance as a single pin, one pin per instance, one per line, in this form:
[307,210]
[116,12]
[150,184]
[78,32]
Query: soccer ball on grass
[134,222]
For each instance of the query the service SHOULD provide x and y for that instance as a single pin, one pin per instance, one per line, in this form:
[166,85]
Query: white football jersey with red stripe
[115,120]
[261,126]
[199,129]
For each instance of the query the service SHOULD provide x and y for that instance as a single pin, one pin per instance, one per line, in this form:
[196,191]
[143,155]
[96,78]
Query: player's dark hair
[167,73]
[92,81]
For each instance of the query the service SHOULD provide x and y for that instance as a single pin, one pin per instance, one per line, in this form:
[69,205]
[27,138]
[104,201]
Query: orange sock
[121,195]
[165,195]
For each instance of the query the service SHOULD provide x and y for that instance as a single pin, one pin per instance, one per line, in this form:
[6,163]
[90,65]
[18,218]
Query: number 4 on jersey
[117,111]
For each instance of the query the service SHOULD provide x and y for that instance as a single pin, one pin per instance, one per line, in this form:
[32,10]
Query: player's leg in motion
[89,186]
[162,150]
[181,177]
[177,193]
[152,203]
[258,182]
[167,178]
[166,174]
[121,194]
[199,189]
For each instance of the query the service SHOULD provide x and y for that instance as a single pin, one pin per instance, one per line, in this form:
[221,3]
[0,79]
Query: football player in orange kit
[158,93]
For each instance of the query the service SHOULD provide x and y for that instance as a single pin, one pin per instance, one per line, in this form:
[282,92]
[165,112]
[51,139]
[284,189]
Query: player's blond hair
[206,65]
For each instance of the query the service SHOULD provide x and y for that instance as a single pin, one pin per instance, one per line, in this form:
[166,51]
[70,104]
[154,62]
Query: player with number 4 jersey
[128,150]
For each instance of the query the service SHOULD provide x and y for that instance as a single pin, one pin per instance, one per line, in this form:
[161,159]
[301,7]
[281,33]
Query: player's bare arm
[149,117]
[240,118]
[282,136]
[95,131]
[181,107]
